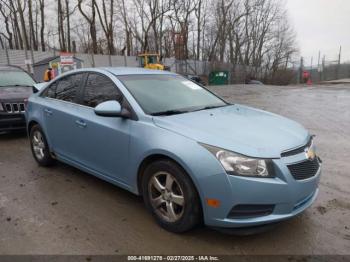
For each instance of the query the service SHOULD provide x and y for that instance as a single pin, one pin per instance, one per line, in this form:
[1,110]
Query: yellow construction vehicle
[151,61]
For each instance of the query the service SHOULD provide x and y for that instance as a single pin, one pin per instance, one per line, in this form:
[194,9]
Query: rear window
[65,89]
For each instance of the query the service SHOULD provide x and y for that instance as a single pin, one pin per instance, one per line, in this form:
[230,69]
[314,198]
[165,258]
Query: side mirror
[111,108]
[38,86]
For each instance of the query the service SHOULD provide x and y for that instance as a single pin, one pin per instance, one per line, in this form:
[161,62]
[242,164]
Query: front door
[103,141]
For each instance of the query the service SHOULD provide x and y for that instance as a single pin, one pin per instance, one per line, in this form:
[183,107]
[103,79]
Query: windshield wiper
[169,112]
[208,107]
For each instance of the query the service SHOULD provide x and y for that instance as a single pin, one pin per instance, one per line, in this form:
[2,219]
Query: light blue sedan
[192,156]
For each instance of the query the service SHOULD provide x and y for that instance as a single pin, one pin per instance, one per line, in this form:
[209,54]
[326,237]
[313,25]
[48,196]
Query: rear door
[60,113]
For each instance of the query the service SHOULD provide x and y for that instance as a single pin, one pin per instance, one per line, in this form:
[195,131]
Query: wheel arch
[161,156]
[34,122]
[30,125]
[156,157]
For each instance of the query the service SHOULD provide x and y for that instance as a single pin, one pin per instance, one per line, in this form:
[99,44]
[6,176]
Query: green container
[218,78]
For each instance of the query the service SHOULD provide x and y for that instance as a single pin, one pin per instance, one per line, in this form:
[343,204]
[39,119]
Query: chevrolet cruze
[192,156]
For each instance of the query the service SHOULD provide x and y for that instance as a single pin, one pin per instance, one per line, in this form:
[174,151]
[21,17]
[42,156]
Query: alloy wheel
[38,145]
[166,196]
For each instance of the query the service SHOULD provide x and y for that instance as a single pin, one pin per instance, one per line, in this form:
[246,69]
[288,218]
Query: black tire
[189,215]
[46,158]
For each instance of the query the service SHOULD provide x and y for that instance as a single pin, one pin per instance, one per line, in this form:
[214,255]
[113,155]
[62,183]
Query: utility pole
[312,60]
[323,67]
[319,65]
[125,60]
[301,69]
[338,66]
[109,59]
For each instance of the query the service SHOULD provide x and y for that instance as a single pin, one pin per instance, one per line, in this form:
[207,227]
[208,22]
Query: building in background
[59,65]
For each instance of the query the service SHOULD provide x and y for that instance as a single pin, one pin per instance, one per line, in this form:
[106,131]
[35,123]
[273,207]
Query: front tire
[39,146]
[170,196]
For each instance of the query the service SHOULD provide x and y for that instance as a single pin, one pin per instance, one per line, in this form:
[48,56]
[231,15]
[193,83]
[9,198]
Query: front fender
[203,168]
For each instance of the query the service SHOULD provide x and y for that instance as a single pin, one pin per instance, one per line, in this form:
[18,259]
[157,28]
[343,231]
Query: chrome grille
[305,169]
[14,107]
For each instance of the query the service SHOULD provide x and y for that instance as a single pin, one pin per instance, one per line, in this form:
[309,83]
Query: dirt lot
[64,211]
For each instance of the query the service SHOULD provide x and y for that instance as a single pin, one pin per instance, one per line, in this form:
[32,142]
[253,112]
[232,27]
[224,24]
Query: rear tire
[40,147]
[170,196]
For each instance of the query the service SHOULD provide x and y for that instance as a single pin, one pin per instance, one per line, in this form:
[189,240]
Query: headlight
[240,165]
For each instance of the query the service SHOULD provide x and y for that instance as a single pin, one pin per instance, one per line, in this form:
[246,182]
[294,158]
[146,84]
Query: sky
[321,25]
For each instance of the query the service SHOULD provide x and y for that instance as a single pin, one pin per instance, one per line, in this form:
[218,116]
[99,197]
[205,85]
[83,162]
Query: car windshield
[15,78]
[169,94]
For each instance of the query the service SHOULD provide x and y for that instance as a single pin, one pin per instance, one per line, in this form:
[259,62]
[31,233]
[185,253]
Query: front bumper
[12,121]
[288,196]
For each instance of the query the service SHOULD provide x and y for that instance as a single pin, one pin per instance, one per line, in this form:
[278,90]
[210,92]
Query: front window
[169,94]
[15,78]
[99,89]
[65,89]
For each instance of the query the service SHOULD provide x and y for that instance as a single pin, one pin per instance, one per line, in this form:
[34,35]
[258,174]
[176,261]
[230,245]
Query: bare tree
[254,34]
[68,13]
[24,34]
[200,24]
[182,11]
[32,36]
[149,13]
[91,19]
[127,30]
[107,23]
[15,24]
[42,23]
[6,16]
[60,26]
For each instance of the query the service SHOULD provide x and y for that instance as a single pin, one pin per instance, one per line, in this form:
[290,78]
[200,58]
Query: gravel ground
[62,210]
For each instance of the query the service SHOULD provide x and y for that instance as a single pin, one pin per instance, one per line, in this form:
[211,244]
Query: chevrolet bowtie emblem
[310,153]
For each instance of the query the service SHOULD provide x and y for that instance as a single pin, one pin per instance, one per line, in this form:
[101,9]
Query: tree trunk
[9,36]
[31,26]
[36,26]
[42,27]
[60,26]
[16,26]
[14,32]
[127,31]
[23,25]
[199,16]
[68,26]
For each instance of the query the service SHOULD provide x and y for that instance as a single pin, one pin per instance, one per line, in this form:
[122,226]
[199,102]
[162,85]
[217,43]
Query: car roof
[135,71]
[117,71]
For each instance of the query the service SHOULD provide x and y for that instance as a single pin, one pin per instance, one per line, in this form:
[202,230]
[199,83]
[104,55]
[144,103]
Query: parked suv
[16,86]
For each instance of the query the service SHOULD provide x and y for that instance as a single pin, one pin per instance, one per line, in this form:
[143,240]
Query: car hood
[240,129]
[15,92]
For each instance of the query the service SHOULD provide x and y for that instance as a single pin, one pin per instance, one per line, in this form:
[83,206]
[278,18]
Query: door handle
[48,111]
[80,123]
